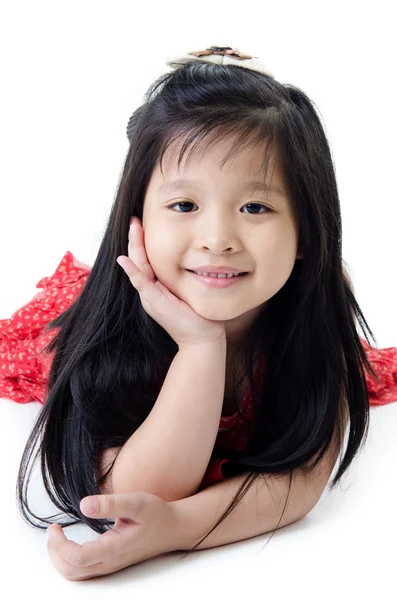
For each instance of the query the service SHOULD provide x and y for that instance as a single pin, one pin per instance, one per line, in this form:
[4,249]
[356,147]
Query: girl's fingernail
[51,533]
[90,505]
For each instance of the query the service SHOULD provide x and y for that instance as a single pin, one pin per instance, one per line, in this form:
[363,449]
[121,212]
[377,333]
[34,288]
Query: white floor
[344,548]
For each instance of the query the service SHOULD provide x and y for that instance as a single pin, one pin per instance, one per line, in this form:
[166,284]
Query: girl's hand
[185,326]
[145,526]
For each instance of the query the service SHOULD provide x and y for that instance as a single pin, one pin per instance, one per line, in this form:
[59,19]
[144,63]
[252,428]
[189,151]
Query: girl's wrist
[219,344]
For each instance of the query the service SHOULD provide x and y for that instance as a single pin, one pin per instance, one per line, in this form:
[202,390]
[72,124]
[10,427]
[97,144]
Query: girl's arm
[260,509]
[169,453]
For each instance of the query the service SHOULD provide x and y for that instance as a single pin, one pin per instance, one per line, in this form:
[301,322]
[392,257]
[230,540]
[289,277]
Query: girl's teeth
[220,275]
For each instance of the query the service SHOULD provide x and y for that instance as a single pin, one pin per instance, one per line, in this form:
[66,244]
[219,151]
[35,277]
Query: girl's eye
[255,204]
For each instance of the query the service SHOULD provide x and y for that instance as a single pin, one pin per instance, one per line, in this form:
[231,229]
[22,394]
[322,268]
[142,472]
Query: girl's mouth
[218,282]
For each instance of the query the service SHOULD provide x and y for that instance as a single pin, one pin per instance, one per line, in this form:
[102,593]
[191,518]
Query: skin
[217,227]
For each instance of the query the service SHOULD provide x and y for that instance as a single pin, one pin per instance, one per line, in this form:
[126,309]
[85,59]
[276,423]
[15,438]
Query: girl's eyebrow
[252,185]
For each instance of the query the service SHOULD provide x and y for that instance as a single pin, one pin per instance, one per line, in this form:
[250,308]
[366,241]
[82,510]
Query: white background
[72,73]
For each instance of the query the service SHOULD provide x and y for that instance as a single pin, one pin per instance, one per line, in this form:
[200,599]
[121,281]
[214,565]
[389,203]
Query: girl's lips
[217,282]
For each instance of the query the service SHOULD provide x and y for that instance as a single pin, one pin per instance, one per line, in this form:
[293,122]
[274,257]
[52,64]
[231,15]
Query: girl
[151,356]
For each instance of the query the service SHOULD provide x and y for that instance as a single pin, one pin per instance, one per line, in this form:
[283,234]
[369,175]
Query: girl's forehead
[222,155]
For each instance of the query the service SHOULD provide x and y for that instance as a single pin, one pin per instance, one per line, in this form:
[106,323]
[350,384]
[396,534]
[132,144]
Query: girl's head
[221,127]
[261,186]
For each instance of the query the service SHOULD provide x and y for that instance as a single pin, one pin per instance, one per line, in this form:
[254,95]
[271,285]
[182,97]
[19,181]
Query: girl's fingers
[137,277]
[136,249]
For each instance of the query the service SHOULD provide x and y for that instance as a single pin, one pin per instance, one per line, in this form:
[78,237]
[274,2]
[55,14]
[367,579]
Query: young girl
[167,379]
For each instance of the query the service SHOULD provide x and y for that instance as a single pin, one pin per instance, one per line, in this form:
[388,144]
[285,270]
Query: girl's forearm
[257,513]
[169,453]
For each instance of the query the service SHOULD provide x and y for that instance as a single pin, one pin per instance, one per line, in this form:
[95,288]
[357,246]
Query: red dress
[24,368]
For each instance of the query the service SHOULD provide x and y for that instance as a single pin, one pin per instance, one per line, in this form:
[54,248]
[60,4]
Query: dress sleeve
[384,363]
[24,367]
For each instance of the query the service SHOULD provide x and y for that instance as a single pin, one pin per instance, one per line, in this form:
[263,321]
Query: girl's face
[221,222]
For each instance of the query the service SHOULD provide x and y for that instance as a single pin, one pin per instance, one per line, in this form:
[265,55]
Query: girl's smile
[219,282]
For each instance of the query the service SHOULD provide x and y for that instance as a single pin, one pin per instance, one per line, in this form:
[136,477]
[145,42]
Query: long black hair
[109,353]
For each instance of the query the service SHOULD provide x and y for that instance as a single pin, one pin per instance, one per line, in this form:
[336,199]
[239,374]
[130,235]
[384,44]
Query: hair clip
[221,55]
[225,50]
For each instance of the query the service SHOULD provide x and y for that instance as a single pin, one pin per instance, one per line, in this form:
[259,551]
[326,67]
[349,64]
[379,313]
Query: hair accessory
[221,55]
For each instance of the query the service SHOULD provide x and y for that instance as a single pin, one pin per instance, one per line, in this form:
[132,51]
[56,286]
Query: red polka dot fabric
[24,368]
